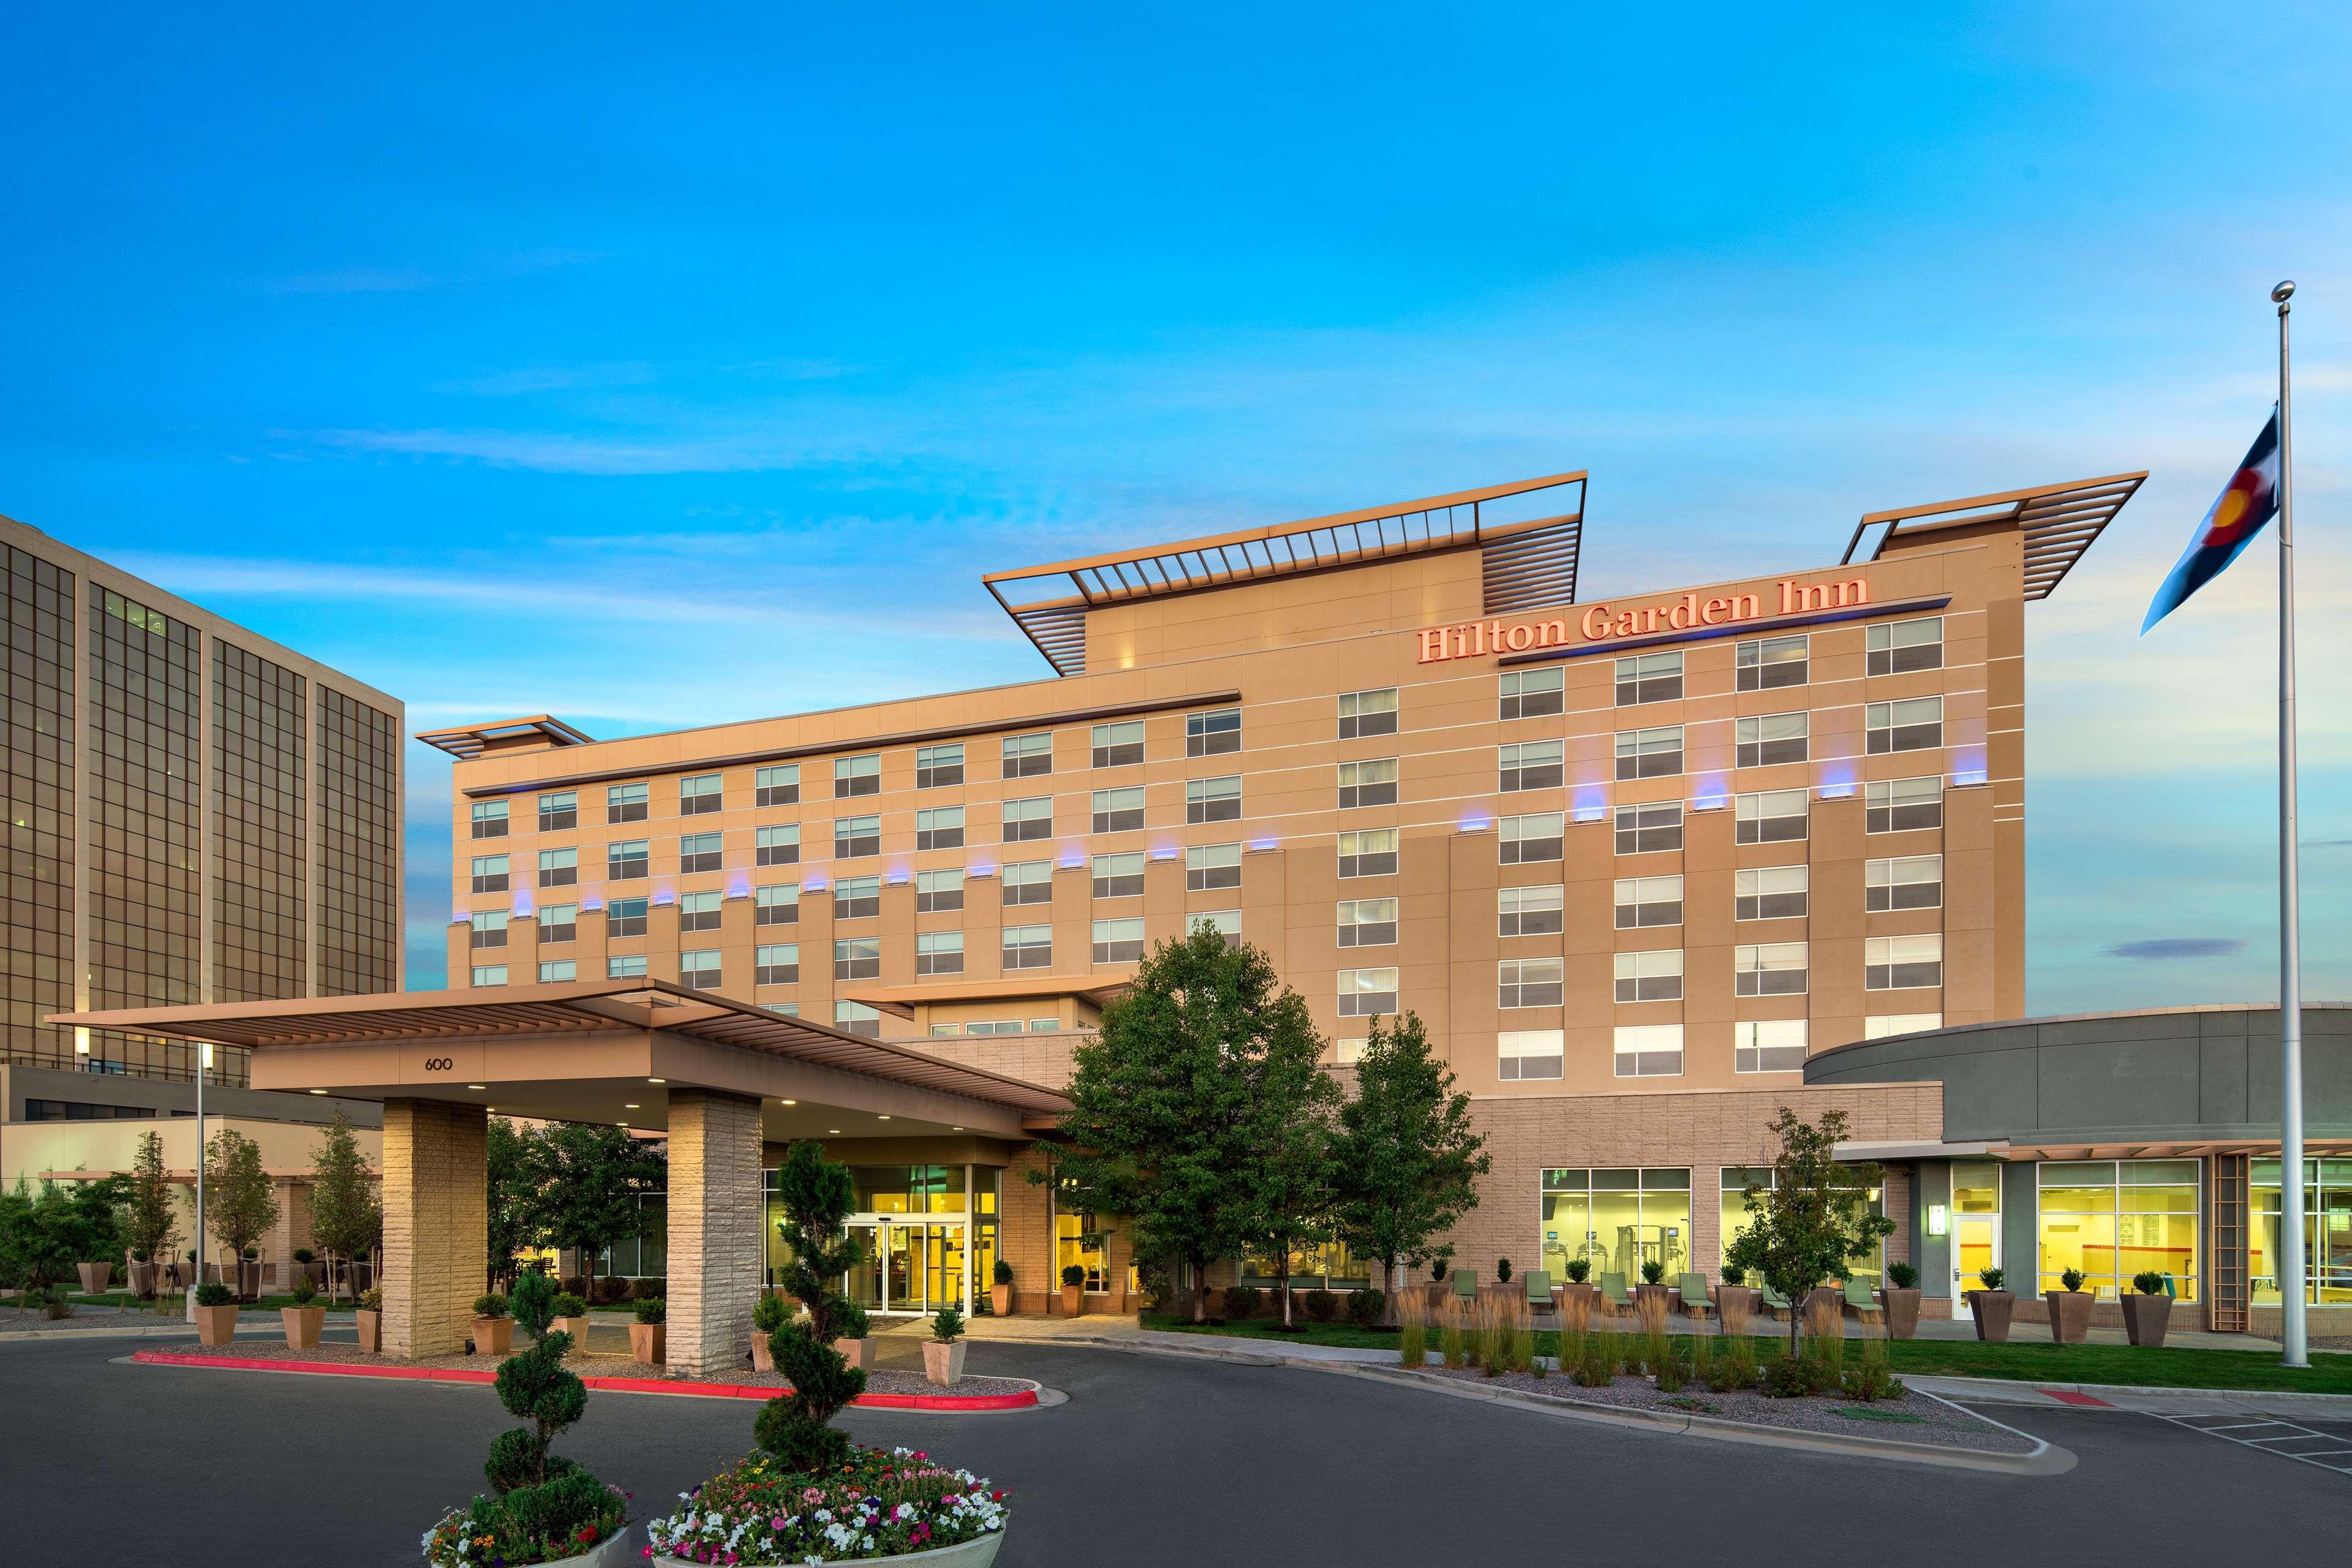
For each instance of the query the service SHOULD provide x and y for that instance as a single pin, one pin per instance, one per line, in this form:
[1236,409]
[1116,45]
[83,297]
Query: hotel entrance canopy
[608,1051]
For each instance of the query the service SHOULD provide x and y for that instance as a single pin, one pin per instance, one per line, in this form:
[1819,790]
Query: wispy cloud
[409,278]
[2169,947]
[519,383]
[563,454]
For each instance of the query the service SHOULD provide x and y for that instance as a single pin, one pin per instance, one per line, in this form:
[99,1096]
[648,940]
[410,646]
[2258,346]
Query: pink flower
[779,1524]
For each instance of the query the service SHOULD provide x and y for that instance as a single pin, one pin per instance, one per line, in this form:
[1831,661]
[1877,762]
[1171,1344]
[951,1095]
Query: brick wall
[716,1214]
[435,1222]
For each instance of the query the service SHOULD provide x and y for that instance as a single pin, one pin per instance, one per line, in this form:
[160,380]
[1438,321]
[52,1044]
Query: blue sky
[664,370]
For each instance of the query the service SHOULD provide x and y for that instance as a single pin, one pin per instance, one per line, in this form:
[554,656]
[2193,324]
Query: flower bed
[570,1517]
[883,1503]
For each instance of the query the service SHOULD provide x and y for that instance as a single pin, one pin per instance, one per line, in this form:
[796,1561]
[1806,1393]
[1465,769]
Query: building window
[1028,882]
[698,971]
[1646,829]
[938,953]
[936,892]
[697,852]
[1528,911]
[490,873]
[1367,993]
[1902,806]
[559,922]
[777,905]
[938,765]
[559,867]
[1770,1045]
[1770,739]
[1912,724]
[626,803]
[857,776]
[1906,882]
[1530,693]
[1649,1050]
[1226,923]
[777,964]
[558,813]
[1119,810]
[489,820]
[1771,662]
[1367,784]
[626,861]
[1213,800]
[1649,902]
[1211,865]
[2327,1272]
[1769,969]
[1531,764]
[1521,840]
[941,827]
[1368,923]
[1882,1025]
[1028,947]
[858,1018]
[1119,876]
[779,846]
[1897,645]
[1902,962]
[490,974]
[1775,816]
[857,958]
[625,917]
[1649,677]
[1118,941]
[855,837]
[1616,1221]
[1527,983]
[1118,745]
[1028,819]
[1027,756]
[1649,753]
[1737,1219]
[559,971]
[697,911]
[625,966]
[2112,1219]
[1213,733]
[1363,713]
[489,929]
[778,785]
[1652,976]
[1372,852]
[1349,1050]
[857,899]
[1522,1055]
[702,793]
[1770,893]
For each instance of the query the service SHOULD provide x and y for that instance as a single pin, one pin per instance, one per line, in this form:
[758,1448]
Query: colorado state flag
[2248,501]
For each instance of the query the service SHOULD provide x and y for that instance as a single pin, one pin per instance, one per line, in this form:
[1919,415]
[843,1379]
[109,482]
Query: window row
[1757,969]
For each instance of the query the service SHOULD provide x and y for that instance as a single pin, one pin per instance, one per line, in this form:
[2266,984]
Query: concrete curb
[2044,1458]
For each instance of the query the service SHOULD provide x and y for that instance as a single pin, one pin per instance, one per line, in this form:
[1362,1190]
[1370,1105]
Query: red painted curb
[2070,1396]
[940,1402]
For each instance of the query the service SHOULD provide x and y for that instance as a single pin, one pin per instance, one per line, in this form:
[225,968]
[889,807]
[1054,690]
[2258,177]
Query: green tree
[345,1213]
[587,1182]
[1163,1121]
[240,1198]
[1815,1219]
[151,1222]
[514,1196]
[1406,1164]
[537,1387]
[1292,1102]
[816,1195]
[43,1235]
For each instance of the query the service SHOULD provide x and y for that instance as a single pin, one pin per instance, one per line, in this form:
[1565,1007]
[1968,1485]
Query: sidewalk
[2140,1401]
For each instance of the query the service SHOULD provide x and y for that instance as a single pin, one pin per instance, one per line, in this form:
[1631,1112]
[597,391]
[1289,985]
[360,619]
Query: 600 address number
[439,1063]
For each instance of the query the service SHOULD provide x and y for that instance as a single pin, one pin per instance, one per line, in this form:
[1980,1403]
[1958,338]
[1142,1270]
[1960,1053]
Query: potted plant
[1653,1287]
[572,1317]
[143,1274]
[539,1503]
[493,1329]
[943,1352]
[999,1292]
[368,1319]
[1901,1299]
[1074,1290]
[910,1506]
[767,1315]
[849,1341]
[647,1334]
[94,1276]
[1580,1286]
[216,1313]
[2070,1310]
[1992,1306]
[2147,1309]
[305,1318]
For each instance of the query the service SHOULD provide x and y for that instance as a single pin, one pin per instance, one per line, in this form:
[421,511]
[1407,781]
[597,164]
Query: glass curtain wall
[1329,1267]
[1735,1219]
[2327,1231]
[2113,1219]
[1617,1220]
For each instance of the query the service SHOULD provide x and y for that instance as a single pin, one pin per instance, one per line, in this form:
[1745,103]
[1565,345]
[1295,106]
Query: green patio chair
[1696,1302]
[1863,1304]
[1466,1284]
[1539,1289]
[1774,1302]
[1613,1296]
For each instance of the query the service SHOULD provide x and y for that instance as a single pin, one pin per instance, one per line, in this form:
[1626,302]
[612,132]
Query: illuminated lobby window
[1617,1220]
[2116,1218]
[2327,1230]
[1735,1219]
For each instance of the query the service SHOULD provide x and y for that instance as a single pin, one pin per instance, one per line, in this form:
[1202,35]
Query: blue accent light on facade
[591,902]
[739,884]
[1265,843]
[663,896]
[523,904]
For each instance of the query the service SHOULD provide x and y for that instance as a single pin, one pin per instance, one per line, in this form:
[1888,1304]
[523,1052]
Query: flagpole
[2292,1285]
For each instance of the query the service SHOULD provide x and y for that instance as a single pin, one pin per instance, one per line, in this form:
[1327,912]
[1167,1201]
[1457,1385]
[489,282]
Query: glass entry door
[915,1265]
[864,1283]
[1976,1243]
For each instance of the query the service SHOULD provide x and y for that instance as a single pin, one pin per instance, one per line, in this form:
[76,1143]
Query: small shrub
[1734,1368]
[1503,1269]
[1240,1301]
[1676,1367]
[1002,1273]
[1991,1278]
[1596,1368]
[1321,1305]
[1901,1276]
[577,1284]
[304,1255]
[489,1306]
[1786,1377]
[1073,1274]
[947,1325]
[1873,1379]
[850,1322]
[533,1301]
[1366,1307]
[1437,1269]
[651,1309]
[768,1314]
[213,1293]
[1654,1272]
[304,1292]
[2072,1279]
[568,1304]
[649,1289]
[371,1299]
[612,1288]
[1580,1270]
[1413,1329]
[2148,1283]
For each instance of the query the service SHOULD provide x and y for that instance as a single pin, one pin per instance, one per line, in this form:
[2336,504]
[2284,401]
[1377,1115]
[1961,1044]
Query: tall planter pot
[302,1326]
[143,1279]
[943,1363]
[999,1300]
[1735,1304]
[1902,1311]
[1572,1293]
[493,1336]
[1992,1311]
[578,1329]
[1073,1301]
[762,1358]
[1644,1293]
[248,1276]
[648,1343]
[2070,1316]
[371,1327]
[94,1276]
[2146,1318]
[859,1352]
[216,1325]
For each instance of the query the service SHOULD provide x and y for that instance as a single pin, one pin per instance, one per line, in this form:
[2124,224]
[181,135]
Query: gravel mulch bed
[1936,1422]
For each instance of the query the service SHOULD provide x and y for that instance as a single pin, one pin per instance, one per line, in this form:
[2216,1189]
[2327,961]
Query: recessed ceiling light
[779,1102]
[881,1118]
[832,1130]
[318,1091]
[656,1080]
[477,1086]
[631,1105]
[955,1129]
[620,1124]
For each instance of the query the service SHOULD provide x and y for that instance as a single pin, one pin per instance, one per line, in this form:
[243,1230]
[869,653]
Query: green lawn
[1344,1334]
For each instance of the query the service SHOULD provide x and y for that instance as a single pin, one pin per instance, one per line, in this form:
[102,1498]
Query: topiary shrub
[1365,1308]
[1240,1301]
[1901,1276]
[1321,1305]
[1503,1269]
[1002,1273]
[545,1507]
[1654,1272]
[1580,1270]
[816,1195]
[490,1306]
[2149,1282]
[537,1386]
[1991,1278]
[1073,1274]
[2072,1279]
[533,1301]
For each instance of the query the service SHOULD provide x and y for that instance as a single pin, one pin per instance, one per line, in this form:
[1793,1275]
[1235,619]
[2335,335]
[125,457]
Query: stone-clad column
[715,1220]
[436,1224]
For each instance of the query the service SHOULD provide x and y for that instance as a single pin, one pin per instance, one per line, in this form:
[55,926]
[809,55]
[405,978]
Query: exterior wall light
[1938,1224]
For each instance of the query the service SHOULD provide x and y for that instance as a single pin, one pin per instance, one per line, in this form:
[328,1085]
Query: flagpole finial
[2283,292]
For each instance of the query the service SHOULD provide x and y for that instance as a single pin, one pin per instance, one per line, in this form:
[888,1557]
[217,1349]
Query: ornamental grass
[1507,1334]
[1732,1366]
[1413,1329]
[1825,1343]
[1452,1339]
[880,1503]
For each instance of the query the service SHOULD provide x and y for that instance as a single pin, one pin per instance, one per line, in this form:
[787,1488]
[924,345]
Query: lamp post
[204,1060]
